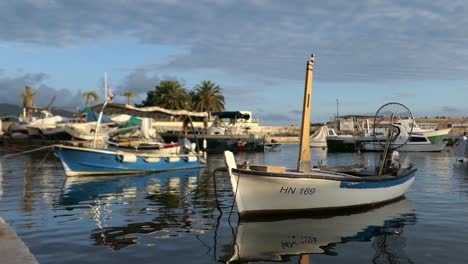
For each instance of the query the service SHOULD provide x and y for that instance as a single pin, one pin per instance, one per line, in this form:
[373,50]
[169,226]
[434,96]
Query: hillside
[9,110]
[15,110]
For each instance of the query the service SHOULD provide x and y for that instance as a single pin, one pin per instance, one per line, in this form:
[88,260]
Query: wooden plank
[265,168]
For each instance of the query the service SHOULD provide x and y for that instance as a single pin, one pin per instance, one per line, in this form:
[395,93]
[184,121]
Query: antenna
[105,85]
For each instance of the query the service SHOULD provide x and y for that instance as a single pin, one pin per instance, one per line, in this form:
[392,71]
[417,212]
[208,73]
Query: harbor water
[183,217]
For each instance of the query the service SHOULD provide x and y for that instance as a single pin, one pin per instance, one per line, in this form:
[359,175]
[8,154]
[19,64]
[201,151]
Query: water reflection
[277,240]
[1,179]
[125,207]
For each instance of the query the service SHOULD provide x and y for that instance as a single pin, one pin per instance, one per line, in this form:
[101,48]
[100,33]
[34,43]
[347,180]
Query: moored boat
[319,138]
[271,190]
[416,142]
[263,189]
[79,161]
[95,161]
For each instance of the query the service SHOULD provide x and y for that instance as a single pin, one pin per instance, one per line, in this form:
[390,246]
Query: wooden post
[303,164]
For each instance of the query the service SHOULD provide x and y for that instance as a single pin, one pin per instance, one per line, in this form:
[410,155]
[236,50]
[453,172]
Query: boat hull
[409,147]
[318,144]
[220,143]
[85,161]
[437,135]
[273,193]
[346,144]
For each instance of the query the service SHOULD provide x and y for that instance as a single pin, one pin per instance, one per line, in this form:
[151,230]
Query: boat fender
[172,159]
[127,157]
[191,159]
[151,159]
[193,147]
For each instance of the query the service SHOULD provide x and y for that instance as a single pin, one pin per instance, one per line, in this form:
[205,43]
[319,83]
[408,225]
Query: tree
[90,96]
[129,95]
[28,99]
[168,94]
[208,97]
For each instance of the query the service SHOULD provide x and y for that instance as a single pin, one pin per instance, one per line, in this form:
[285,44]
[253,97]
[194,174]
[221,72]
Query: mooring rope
[26,152]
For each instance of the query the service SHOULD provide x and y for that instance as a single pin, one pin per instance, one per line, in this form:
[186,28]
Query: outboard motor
[185,145]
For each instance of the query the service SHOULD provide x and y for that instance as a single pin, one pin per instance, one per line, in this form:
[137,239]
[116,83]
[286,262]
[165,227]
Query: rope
[26,152]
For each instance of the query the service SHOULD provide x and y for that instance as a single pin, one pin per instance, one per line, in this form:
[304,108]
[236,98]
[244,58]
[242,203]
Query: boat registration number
[296,190]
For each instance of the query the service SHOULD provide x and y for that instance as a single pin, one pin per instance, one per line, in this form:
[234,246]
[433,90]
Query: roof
[356,116]
[231,115]
[149,111]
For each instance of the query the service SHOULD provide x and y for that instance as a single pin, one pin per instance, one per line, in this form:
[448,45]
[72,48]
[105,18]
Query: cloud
[11,88]
[451,110]
[269,118]
[365,41]
[138,81]
[400,96]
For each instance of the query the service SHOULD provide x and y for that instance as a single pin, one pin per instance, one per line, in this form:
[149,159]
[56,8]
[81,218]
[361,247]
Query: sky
[368,52]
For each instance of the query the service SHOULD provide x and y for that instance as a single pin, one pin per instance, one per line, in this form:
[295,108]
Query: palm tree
[208,97]
[28,99]
[129,95]
[168,94]
[90,96]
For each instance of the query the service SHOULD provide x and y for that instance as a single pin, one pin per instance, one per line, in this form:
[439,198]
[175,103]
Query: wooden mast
[303,164]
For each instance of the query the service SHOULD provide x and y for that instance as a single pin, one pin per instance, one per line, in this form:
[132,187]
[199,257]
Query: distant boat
[277,239]
[416,143]
[362,136]
[264,189]
[96,161]
[233,135]
[319,138]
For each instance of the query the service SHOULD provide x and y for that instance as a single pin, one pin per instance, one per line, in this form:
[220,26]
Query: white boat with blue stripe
[270,189]
[263,189]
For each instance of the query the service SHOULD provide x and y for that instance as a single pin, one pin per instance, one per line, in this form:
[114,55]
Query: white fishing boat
[319,138]
[263,189]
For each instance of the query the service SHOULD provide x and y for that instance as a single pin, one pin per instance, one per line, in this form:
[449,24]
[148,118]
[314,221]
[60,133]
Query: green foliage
[129,95]
[169,94]
[90,96]
[208,97]
[28,96]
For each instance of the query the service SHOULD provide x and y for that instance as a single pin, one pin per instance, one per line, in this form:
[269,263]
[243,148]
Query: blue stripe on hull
[78,161]
[375,184]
